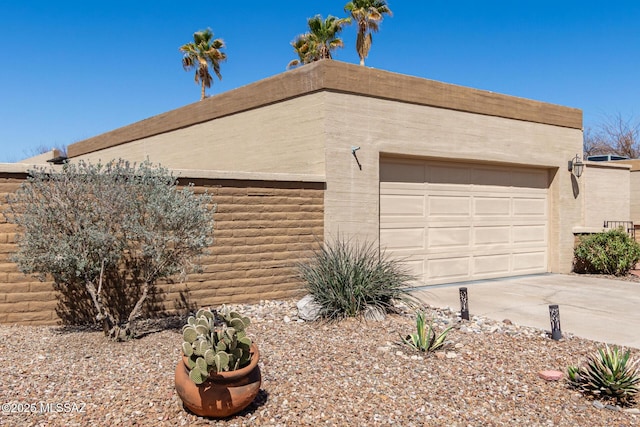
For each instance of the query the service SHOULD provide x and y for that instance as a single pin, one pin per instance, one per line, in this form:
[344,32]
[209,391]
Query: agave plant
[215,342]
[609,374]
[425,339]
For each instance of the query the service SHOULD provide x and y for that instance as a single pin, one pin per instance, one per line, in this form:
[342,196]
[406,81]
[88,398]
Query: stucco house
[462,184]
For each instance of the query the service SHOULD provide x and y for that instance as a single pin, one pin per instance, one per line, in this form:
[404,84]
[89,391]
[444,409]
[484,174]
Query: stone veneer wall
[262,228]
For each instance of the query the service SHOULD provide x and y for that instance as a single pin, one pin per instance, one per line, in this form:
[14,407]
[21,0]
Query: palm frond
[321,40]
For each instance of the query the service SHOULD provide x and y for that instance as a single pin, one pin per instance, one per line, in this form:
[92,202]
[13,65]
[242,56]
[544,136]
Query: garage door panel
[414,266]
[403,205]
[403,173]
[530,234]
[403,238]
[493,264]
[490,206]
[448,268]
[529,262]
[449,205]
[464,221]
[403,187]
[491,235]
[489,176]
[448,237]
[447,174]
[530,207]
[533,179]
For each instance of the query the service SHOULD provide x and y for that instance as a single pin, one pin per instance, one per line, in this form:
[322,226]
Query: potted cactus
[218,374]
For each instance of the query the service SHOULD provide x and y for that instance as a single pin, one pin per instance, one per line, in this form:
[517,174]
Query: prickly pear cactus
[215,341]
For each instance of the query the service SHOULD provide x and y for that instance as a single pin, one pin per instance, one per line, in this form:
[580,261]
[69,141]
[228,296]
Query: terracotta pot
[222,394]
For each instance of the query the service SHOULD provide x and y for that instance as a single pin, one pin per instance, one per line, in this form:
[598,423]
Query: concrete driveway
[598,309]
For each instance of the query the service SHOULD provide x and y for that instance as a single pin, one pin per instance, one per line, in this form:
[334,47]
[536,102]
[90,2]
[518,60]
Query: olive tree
[90,223]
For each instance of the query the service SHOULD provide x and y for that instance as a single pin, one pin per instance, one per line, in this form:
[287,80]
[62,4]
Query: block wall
[23,299]
[261,230]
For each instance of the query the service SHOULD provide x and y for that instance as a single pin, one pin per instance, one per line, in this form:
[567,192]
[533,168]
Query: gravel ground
[314,373]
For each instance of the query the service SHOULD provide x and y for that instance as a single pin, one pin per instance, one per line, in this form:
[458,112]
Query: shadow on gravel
[259,401]
[143,327]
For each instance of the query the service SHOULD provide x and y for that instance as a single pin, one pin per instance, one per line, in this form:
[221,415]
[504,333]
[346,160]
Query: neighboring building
[463,184]
[606,158]
[53,156]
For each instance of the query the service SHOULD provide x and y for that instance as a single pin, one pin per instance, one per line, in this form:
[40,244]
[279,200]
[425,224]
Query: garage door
[454,222]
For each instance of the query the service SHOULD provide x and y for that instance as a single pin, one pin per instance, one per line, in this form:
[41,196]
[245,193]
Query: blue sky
[75,69]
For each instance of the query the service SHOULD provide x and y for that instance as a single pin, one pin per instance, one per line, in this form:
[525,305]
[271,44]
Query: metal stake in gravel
[464,304]
[554,315]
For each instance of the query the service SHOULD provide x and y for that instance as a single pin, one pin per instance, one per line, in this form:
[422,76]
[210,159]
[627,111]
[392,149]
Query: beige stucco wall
[607,190]
[285,137]
[383,127]
[307,120]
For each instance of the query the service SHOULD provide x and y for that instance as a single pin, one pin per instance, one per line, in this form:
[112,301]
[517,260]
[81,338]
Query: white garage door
[454,222]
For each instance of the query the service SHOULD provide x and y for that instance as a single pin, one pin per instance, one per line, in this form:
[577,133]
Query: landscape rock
[550,375]
[308,308]
[372,312]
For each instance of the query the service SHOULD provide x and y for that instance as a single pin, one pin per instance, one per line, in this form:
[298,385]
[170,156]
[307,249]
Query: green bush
[347,278]
[609,374]
[612,252]
[107,232]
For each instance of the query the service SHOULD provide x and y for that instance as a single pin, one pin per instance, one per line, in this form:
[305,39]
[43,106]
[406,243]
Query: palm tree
[367,14]
[199,54]
[320,41]
[305,49]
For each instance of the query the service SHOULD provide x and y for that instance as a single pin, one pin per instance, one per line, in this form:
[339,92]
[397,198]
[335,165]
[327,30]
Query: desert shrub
[611,252]
[609,374]
[346,278]
[107,233]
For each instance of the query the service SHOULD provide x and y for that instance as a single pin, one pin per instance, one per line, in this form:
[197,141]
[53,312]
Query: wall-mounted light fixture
[576,166]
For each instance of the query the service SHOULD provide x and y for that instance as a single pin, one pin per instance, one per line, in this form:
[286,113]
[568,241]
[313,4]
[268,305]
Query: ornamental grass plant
[347,278]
